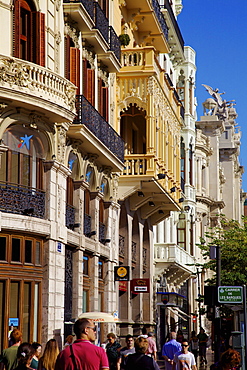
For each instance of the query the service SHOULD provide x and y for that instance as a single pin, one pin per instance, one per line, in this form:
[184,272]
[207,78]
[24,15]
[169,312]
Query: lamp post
[199,298]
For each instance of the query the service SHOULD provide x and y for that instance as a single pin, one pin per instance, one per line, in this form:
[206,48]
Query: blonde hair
[50,354]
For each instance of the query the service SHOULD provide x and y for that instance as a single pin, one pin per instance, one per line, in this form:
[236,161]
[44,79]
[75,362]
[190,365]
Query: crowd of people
[178,353]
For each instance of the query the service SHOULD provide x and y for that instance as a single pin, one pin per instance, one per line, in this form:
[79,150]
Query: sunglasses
[94,328]
[185,345]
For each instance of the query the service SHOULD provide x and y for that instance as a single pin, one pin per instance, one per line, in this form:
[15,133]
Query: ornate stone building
[59,157]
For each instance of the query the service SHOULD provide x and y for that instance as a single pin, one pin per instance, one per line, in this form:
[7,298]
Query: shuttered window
[88,82]
[29,33]
[103,99]
[72,65]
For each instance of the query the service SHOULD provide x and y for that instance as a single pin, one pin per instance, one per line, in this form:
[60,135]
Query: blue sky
[217,31]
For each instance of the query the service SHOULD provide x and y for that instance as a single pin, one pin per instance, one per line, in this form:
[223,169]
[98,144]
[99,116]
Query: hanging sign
[140,286]
[121,273]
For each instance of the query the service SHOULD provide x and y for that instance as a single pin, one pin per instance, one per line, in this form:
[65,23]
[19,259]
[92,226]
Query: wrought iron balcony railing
[87,224]
[87,115]
[22,200]
[89,6]
[101,22]
[167,6]
[70,216]
[160,17]
[115,45]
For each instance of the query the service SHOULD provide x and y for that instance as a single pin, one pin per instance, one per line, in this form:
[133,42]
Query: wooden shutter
[105,102]
[67,56]
[38,38]
[90,86]
[74,67]
[17,29]
[84,71]
[100,100]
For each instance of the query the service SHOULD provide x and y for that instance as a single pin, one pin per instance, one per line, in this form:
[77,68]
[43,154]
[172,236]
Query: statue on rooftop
[216,105]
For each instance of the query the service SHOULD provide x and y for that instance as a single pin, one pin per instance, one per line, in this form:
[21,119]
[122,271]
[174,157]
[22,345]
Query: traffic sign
[230,294]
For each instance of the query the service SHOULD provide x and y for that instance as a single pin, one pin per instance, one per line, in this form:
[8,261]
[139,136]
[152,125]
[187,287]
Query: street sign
[230,294]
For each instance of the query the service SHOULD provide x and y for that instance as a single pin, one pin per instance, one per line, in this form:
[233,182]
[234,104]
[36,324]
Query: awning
[178,312]
[99,316]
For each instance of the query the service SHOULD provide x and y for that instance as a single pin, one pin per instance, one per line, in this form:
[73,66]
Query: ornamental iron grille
[70,216]
[101,22]
[68,284]
[160,18]
[87,224]
[89,6]
[22,200]
[87,115]
[101,231]
[115,44]
[121,246]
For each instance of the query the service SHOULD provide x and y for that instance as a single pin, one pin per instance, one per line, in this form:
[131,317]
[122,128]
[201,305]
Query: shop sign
[140,286]
[123,286]
[121,273]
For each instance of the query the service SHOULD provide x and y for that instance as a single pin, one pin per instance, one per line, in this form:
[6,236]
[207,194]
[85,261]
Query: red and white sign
[140,286]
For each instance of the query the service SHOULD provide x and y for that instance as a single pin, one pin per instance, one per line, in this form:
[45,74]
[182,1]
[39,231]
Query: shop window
[29,32]
[16,250]
[3,255]
[28,251]
[100,269]
[85,301]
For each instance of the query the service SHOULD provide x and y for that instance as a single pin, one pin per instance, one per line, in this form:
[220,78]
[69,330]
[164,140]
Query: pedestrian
[169,349]
[125,351]
[180,336]
[25,355]
[112,350]
[37,352]
[230,360]
[8,357]
[68,340]
[194,344]
[152,348]
[48,360]
[203,338]
[184,360]
[139,360]
[83,354]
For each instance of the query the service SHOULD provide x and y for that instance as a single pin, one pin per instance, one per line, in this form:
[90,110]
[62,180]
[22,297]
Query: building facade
[59,154]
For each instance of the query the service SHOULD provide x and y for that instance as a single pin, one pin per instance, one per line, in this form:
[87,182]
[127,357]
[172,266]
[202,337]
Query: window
[190,164]
[29,32]
[85,301]
[100,269]
[20,249]
[72,65]
[88,82]
[23,162]
[85,265]
[181,231]
[182,164]
[103,99]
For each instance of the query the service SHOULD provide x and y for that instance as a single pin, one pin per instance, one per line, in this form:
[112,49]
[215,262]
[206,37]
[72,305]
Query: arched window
[29,32]
[22,163]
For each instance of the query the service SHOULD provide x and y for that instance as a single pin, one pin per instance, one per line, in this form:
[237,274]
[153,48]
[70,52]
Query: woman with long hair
[37,352]
[25,354]
[48,360]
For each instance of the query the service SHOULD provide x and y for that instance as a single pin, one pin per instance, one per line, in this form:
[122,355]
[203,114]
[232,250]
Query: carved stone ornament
[70,92]
[61,144]
[2,107]
[15,73]
[57,4]
[103,76]
[34,119]
[73,33]
[58,37]
[89,56]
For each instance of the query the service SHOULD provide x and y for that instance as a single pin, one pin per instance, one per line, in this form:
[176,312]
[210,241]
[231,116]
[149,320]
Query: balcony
[87,224]
[96,30]
[175,40]
[22,200]
[97,135]
[146,18]
[30,86]
[173,261]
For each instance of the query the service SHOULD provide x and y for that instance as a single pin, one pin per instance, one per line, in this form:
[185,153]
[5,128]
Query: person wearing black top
[138,360]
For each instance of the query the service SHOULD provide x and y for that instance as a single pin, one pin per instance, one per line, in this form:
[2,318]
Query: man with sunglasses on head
[184,360]
[83,354]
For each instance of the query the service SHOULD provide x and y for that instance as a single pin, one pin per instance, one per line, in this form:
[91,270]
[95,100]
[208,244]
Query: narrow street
[210,361]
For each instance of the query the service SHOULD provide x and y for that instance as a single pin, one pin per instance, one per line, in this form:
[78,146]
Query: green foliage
[124,39]
[231,238]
